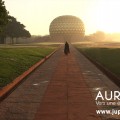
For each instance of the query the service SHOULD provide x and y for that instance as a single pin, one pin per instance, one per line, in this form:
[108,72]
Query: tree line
[9,26]
[98,36]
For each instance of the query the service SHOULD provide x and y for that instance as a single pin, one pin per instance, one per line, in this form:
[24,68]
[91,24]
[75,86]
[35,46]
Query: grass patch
[15,60]
[108,57]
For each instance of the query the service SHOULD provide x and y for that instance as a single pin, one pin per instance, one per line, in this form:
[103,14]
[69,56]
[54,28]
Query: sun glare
[107,16]
[97,15]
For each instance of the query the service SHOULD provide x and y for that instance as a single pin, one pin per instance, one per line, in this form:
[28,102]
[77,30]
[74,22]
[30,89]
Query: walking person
[66,48]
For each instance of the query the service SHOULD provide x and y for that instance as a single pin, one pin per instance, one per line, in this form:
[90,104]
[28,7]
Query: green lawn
[108,57]
[15,60]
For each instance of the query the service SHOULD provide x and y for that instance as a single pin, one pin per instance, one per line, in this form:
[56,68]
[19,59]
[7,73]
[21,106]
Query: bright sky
[37,15]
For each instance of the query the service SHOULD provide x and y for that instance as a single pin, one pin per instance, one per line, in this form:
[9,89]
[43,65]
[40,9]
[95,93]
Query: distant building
[67,28]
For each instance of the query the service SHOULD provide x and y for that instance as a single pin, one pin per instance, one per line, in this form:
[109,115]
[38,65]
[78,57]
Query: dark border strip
[5,91]
[108,73]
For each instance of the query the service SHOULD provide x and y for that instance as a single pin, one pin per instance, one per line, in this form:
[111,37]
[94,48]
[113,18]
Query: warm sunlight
[97,15]
[106,16]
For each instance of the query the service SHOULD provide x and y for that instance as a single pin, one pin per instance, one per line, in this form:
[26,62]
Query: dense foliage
[3,15]
[9,26]
[15,29]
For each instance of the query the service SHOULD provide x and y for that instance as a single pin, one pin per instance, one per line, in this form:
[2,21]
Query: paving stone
[23,102]
[70,97]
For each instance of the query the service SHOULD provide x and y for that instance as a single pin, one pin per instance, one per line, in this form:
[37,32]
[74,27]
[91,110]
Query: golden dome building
[67,28]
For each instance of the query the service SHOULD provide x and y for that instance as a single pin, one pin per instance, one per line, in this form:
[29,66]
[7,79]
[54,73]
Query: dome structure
[67,28]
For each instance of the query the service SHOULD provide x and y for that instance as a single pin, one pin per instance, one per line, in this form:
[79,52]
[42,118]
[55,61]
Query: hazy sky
[37,15]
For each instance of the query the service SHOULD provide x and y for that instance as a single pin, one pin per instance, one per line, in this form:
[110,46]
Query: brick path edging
[5,91]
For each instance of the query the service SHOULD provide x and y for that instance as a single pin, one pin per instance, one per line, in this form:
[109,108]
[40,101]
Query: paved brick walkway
[63,88]
[67,96]
[22,103]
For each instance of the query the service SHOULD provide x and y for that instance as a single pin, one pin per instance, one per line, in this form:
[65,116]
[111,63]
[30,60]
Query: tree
[3,19]
[100,35]
[3,15]
[15,29]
